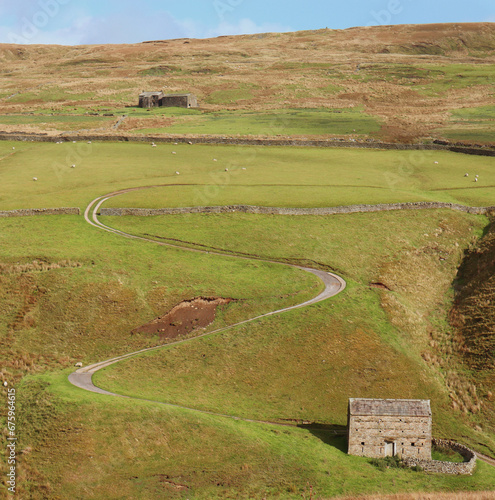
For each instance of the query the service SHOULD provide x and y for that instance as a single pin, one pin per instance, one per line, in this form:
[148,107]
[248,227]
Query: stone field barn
[389,427]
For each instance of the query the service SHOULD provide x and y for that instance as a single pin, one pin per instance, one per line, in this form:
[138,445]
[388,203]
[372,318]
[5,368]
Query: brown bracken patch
[184,318]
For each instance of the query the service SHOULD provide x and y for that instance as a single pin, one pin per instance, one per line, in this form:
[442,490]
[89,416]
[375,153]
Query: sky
[77,22]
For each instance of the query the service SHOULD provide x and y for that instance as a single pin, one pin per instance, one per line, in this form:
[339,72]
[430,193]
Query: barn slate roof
[390,407]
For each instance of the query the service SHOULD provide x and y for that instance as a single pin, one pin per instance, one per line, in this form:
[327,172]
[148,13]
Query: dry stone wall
[145,212]
[39,211]
[480,150]
[436,466]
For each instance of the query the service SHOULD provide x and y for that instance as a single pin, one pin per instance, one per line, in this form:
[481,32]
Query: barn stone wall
[436,466]
[145,212]
[378,436]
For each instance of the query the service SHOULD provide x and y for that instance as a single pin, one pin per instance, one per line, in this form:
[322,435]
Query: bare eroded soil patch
[184,318]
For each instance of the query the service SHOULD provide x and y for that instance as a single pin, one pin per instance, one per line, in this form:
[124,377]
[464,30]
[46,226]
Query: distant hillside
[412,81]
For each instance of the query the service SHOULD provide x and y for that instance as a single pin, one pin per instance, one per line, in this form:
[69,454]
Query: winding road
[82,377]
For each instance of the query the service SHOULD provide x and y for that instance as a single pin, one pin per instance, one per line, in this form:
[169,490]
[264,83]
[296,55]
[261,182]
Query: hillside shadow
[331,434]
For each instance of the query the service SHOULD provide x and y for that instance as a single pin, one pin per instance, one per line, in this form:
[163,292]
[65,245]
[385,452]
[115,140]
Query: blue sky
[71,22]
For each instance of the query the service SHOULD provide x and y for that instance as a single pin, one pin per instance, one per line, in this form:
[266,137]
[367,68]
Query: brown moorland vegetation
[410,77]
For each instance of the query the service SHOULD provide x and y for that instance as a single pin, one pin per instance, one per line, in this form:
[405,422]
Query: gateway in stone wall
[390,427]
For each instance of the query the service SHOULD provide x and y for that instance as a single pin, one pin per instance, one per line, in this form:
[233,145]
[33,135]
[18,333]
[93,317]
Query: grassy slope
[362,247]
[273,175]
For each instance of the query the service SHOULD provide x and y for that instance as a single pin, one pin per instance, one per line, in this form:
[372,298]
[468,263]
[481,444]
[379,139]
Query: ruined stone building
[150,99]
[156,99]
[179,100]
[389,427]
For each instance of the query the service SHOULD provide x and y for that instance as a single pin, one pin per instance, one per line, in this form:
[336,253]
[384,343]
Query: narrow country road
[82,377]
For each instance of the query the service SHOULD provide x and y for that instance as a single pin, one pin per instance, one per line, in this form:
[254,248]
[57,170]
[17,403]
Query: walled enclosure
[389,427]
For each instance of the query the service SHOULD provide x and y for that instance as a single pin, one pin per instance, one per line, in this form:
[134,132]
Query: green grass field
[271,123]
[300,365]
[279,176]
[471,124]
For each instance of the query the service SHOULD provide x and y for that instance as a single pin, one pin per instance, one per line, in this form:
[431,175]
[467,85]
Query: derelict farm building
[156,99]
[389,427]
[150,99]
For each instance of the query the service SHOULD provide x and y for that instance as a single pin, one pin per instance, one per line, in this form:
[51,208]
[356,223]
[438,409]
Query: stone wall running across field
[146,212]
[28,212]
[475,149]
[436,466]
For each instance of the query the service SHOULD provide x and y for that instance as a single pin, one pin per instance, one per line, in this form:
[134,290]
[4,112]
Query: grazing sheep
[214,159]
[13,148]
[436,163]
[466,175]
[5,384]
[189,142]
[476,176]
[226,170]
[78,365]
[89,142]
[174,153]
[153,145]
[177,173]
[35,178]
[72,166]
[243,168]
[476,179]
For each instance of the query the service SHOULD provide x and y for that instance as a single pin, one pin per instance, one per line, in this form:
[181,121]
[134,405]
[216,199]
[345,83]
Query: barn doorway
[390,449]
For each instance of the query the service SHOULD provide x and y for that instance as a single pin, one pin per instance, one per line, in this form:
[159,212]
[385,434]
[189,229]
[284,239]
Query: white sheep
[476,179]
[177,173]
[174,153]
[13,148]
[436,163]
[189,142]
[243,168]
[226,170]
[466,175]
[35,178]
[72,166]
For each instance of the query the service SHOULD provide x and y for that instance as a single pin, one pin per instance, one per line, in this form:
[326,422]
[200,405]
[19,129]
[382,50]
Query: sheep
[5,384]
[78,365]
[226,170]
[189,142]
[436,163]
[72,166]
[174,153]
[35,178]
[13,148]
[466,175]
[243,168]
[177,173]
[476,179]
[153,145]
[214,159]
[89,142]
